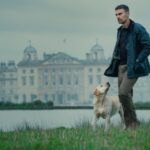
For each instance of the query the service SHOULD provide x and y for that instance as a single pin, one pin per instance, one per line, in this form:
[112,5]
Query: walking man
[129,61]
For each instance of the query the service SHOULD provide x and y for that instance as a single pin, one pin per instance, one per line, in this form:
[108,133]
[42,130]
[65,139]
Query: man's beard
[120,21]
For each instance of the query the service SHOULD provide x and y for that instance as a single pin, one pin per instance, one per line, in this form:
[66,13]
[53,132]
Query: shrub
[37,102]
[50,103]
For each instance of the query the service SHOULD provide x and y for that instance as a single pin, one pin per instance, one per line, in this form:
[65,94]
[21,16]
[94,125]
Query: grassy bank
[80,137]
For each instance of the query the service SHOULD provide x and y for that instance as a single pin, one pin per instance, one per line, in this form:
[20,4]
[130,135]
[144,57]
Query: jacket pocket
[112,70]
[139,68]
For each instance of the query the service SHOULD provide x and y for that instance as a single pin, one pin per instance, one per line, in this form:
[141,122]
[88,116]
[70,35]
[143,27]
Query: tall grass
[79,137]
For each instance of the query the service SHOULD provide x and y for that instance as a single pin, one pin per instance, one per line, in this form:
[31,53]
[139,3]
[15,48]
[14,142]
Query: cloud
[48,22]
[53,16]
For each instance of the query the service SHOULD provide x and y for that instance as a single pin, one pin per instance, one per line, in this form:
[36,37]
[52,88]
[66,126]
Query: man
[129,61]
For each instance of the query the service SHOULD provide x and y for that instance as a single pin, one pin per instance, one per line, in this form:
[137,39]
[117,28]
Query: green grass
[80,137]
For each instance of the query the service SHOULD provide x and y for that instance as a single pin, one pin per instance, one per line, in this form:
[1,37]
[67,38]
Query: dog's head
[101,89]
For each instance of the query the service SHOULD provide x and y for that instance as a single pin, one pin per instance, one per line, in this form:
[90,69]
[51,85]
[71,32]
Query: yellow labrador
[105,106]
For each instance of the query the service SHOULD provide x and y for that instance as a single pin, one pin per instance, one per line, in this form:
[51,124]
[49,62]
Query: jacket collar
[130,27]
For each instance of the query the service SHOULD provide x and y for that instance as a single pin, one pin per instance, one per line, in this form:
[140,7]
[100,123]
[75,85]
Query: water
[45,119]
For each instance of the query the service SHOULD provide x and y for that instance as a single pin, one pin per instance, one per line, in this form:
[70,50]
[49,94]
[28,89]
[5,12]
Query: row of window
[67,80]
[8,82]
[92,69]
[25,71]
[63,60]
[92,78]
[62,80]
[3,75]
[46,70]
[30,78]
[60,70]
[3,92]
[53,97]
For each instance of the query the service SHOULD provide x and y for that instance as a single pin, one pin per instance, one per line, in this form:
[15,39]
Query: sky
[70,26]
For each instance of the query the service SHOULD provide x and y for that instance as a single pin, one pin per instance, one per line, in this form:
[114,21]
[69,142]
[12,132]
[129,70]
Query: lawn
[81,137]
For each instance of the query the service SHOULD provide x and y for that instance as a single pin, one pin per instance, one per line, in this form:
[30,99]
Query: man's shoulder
[138,27]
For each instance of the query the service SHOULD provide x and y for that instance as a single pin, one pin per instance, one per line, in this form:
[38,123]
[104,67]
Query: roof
[29,49]
[96,48]
[29,63]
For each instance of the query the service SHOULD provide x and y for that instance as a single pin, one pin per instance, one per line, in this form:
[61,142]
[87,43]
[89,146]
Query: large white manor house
[60,78]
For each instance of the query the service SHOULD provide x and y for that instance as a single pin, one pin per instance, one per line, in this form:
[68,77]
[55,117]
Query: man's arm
[144,41]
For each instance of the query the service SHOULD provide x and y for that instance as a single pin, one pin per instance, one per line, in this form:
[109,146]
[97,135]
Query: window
[24,98]
[33,97]
[98,69]
[46,70]
[23,71]
[61,70]
[69,70]
[60,80]
[45,80]
[4,83]
[11,75]
[77,70]
[53,70]
[90,77]
[46,97]
[69,80]
[23,80]
[3,76]
[90,70]
[98,78]
[31,71]
[76,80]
[53,78]
[75,97]
[11,82]
[68,97]
[31,78]
[53,97]
[11,91]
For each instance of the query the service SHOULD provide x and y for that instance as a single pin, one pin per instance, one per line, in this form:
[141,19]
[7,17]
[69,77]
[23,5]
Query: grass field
[80,137]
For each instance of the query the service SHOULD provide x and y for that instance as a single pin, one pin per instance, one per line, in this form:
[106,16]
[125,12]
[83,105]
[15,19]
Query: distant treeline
[142,105]
[38,104]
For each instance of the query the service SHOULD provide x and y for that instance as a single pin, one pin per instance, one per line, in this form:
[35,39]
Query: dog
[106,106]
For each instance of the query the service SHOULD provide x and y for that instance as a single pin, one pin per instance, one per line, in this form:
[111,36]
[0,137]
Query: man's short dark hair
[122,6]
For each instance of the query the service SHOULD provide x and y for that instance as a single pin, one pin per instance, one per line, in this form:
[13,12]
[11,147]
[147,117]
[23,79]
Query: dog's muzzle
[108,84]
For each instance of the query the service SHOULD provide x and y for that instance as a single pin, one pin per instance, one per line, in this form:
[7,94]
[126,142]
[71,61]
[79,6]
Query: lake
[45,119]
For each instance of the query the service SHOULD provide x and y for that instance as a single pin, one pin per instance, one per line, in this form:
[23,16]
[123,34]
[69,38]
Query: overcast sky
[71,26]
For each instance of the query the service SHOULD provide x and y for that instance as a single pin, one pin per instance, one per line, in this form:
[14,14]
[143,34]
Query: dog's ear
[94,91]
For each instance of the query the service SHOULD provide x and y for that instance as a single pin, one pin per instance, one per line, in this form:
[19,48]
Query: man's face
[122,15]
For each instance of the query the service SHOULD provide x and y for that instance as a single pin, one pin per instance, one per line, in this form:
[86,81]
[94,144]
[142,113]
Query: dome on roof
[29,49]
[96,48]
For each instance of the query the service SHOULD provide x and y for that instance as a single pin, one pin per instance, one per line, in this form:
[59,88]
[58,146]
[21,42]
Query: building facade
[60,78]
[8,81]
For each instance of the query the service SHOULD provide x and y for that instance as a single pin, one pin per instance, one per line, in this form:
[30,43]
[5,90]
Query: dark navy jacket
[138,50]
